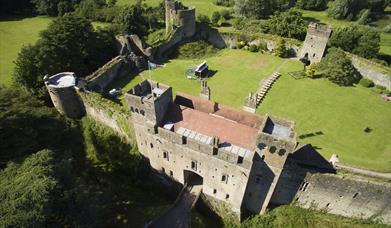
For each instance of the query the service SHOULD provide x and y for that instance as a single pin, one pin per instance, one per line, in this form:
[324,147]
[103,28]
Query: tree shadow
[309,135]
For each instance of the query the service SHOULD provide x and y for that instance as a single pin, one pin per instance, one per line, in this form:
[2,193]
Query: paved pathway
[178,216]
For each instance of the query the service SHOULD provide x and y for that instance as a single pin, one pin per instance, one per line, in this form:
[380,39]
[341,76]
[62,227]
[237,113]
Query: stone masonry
[315,42]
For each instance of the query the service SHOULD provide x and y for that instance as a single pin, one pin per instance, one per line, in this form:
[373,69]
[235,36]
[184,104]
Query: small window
[136,110]
[194,165]
[240,159]
[272,149]
[163,170]
[165,155]
[214,191]
[171,173]
[224,178]
[355,195]
[250,195]
[131,109]
[142,112]
[226,196]
[281,152]
[151,145]
[263,157]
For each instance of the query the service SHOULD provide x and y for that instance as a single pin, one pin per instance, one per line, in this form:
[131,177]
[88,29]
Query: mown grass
[14,33]
[340,113]
[202,6]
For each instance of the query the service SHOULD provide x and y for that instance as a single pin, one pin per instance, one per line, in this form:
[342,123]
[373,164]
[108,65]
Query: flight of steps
[265,87]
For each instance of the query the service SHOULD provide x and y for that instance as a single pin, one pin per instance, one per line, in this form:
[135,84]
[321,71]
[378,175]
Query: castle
[245,161]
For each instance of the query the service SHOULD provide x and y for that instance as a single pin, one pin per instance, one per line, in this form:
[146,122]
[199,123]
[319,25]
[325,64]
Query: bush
[215,17]
[195,50]
[366,82]
[241,44]
[203,19]
[262,46]
[254,48]
[227,3]
[246,48]
[381,88]
[226,14]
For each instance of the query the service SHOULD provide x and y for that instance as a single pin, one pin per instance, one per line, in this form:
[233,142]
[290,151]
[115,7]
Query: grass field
[13,35]
[340,113]
[202,6]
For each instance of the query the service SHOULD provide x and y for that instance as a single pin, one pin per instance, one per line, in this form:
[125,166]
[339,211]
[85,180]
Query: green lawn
[340,113]
[202,6]
[13,35]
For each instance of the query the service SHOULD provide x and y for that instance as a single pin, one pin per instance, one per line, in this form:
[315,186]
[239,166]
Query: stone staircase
[265,86]
[254,100]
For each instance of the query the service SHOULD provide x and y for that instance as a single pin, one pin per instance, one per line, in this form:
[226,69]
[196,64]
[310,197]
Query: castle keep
[234,152]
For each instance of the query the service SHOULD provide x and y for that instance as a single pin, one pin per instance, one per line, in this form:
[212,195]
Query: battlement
[178,15]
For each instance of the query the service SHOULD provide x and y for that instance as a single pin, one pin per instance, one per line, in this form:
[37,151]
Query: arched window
[151,145]
[281,152]
[272,149]
[142,112]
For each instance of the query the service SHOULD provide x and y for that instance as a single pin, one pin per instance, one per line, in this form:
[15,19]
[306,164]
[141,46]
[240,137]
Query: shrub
[227,3]
[366,82]
[241,44]
[226,14]
[215,17]
[199,49]
[246,48]
[381,88]
[254,48]
[262,46]
[203,19]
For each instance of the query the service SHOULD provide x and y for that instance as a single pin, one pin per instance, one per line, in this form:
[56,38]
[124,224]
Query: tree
[359,40]
[288,24]
[131,20]
[312,4]
[260,8]
[68,44]
[203,19]
[338,68]
[215,17]
[26,191]
[350,9]
[280,48]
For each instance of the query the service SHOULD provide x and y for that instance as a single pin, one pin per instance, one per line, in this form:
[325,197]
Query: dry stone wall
[368,72]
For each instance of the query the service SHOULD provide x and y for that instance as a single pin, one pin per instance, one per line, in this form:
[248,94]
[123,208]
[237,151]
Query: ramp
[179,215]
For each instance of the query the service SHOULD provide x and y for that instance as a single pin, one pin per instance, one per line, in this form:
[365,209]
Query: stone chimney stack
[205,90]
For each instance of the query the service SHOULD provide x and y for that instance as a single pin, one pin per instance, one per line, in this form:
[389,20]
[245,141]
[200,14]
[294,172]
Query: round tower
[62,91]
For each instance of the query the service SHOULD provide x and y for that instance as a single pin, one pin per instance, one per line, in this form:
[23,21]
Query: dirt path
[364,172]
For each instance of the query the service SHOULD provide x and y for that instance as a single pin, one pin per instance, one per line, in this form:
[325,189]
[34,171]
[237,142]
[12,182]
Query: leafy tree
[203,19]
[26,191]
[9,7]
[215,17]
[280,48]
[288,24]
[359,40]
[312,4]
[131,20]
[260,8]
[350,9]
[68,44]
[27,125]
[338,68]
[54,7]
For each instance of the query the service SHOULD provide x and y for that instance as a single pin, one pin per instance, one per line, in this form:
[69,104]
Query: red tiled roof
[212,125]
[203,105]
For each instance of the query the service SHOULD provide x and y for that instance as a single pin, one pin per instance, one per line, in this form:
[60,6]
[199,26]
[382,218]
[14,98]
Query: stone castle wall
[66,101]
[347,196]
[368,72]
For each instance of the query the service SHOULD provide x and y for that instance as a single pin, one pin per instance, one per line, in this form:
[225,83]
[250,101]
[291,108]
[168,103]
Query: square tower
[149,100]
